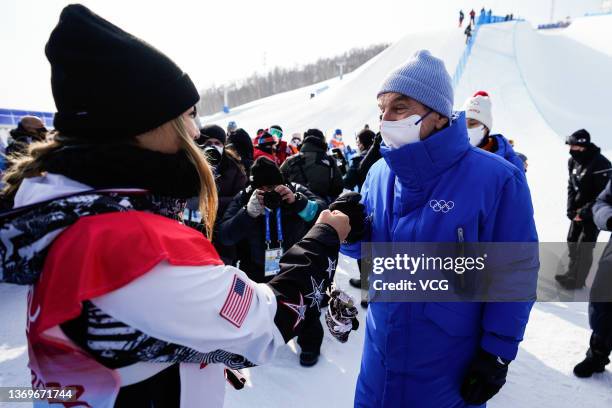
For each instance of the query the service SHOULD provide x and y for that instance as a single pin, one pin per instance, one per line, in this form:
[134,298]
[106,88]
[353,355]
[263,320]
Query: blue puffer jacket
[416,354]
[505,150]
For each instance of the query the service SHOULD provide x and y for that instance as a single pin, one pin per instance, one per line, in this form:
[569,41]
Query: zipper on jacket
[461,240]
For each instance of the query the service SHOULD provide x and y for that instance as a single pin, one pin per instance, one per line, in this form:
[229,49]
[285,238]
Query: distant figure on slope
[461,17]
[479,120]
[472,16]
[468,33]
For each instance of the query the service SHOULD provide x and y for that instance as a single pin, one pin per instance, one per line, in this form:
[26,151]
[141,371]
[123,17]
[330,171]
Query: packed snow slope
[544,86]
[347,104]
[538,97]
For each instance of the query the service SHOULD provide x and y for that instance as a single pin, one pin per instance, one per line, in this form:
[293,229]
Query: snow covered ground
[543,86]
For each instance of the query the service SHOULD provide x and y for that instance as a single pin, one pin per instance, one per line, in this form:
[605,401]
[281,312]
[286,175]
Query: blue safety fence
[484,18]
[11,117]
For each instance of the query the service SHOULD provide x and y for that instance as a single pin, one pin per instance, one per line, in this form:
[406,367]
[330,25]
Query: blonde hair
[27,165]
[34,163]
[208,188]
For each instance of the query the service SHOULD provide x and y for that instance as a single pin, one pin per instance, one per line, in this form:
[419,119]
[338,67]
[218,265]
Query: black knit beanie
[109,84]
[316,137]
[211,131]
[265,172]
[579,138]
[366,138]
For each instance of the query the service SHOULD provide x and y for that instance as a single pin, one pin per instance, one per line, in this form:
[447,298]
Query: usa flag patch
[238,302]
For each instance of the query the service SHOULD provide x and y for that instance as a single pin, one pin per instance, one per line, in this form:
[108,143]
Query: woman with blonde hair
[129,307]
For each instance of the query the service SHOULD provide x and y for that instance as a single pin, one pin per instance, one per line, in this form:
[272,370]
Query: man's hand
[350,204]
[286,194]
[485,377]
[338,221]
[577,218]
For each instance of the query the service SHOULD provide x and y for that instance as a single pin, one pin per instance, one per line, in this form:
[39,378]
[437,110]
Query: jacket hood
[311,145]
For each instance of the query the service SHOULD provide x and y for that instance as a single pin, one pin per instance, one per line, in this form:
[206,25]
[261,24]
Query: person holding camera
[264,221]
[230,178]
[314,168]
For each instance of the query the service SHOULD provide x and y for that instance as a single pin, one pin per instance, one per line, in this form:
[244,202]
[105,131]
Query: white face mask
[476,135]
[401,132]
[219,148]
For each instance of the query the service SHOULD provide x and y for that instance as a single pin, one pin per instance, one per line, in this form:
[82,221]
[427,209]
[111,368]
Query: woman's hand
[338,221]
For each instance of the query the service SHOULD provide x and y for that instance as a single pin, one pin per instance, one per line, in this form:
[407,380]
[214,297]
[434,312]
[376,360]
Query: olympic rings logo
[441,205]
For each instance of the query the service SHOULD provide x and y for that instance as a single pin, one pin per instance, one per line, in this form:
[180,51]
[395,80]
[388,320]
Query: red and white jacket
[153,274]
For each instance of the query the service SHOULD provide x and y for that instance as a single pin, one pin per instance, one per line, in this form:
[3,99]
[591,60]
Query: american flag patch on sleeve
[238,302]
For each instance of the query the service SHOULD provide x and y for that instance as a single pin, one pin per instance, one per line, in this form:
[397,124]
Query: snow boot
[596,359]
[308,358]
[355,282]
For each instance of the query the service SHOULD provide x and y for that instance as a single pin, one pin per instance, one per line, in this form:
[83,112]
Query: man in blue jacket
[431,185]
[479,116]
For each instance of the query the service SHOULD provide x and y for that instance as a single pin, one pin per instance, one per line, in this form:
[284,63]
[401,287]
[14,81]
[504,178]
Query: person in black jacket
[313,168]
[370,158]
[600,305]
[252,223]
[365,140]
[30,129]
[240,141]
[230,179]
[586,181]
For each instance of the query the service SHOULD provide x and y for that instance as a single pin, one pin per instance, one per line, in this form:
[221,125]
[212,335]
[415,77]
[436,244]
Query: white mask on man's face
[476,134]
[401,132]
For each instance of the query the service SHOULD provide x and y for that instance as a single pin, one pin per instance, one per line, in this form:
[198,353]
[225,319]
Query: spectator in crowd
[231,127]
[371,157]
[365,140]
[281,149]
[230,179]
[479,117]
[265,220]
[313,168]
[585,183]
[336,142]
[30,129]
[240,142]
[296,143]
[144,316]
[600,305]
[264,145]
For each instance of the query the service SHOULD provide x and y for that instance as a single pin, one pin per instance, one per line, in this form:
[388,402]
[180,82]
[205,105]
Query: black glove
[349,204]
[609,224]
[485,377]
[571,214]
[585,213]
[341,315]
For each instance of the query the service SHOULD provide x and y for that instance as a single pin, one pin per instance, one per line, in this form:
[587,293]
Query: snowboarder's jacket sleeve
[209,308]
[602,210]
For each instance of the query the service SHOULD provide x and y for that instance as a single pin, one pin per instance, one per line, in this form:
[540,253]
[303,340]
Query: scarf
[27,233]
